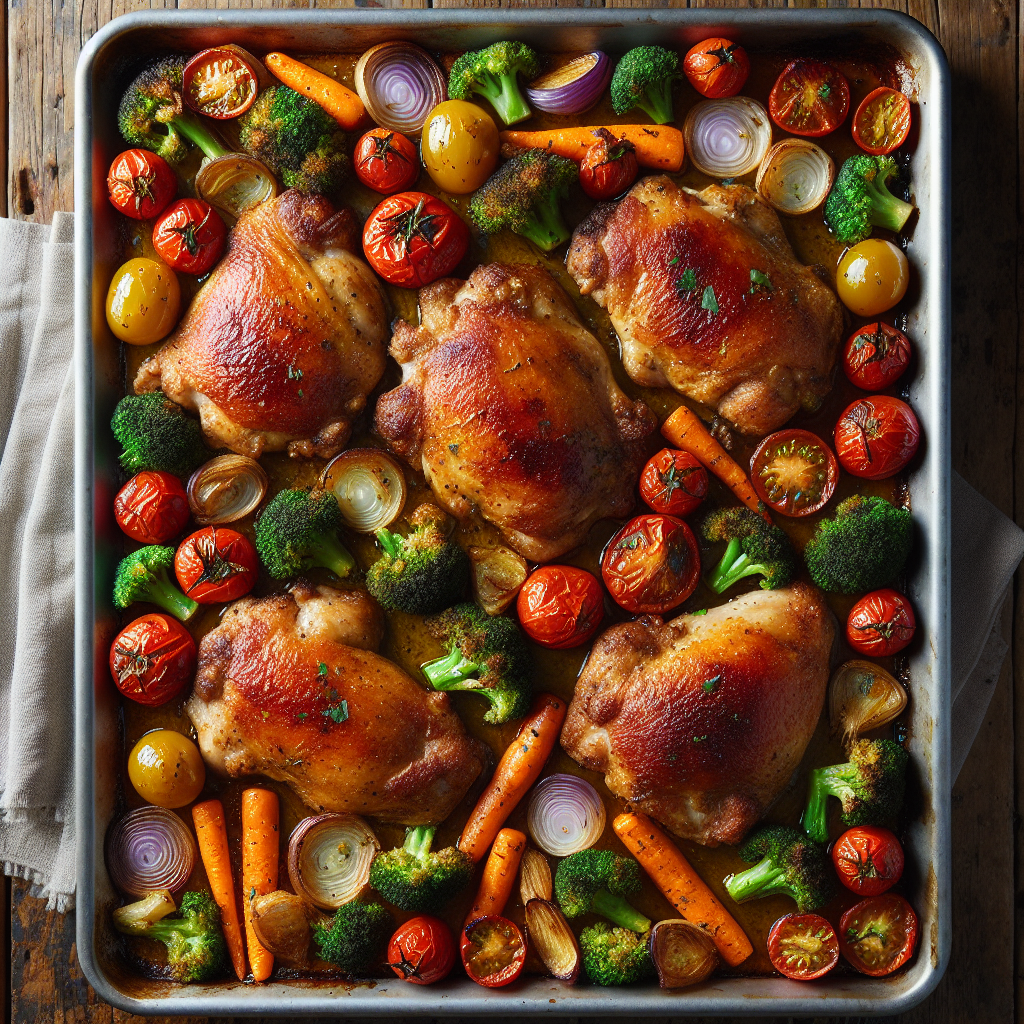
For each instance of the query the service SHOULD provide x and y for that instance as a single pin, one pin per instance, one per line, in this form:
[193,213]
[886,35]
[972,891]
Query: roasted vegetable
[492,73]
[143,576]
[860,200]
[615,956]
[595,881]
[413,877]
[297,530]
[355,937]
[756,547]
[155,433]
[643,78]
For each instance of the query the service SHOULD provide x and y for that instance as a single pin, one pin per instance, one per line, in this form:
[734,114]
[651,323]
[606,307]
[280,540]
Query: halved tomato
[794,472]
[809,98]
[878,935]
[219,83]
[882,121]
[803,946]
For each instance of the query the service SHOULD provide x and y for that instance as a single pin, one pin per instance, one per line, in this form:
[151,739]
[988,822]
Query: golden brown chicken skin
[509,407]
[270,683]
[283,343]
[708,298]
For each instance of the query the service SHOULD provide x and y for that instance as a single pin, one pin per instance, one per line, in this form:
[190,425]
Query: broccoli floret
[785,861]
[523,195]
[297,530]
[413,877]
[355,937]
[869,785]
[615,956]
[756,547]
[864,547]
[196,950]
[486,654]
[491,73]
[859,199]
[153,114]
[643,78]
[596,881]
[155,433]
[142,576]
[421,573]
[297,139]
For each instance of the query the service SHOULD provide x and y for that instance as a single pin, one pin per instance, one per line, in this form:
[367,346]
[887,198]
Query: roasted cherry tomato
[153,659]
[876,437]
[875,356]
[141,184]
[560,606]
[873,276]
[878,934]
[166,769]
[717,67]
[809,98]
[219,83]
[152,507]
[880,623]
[652,564]
[460,146]
[422,950]
[803,946]
[882,121]
[143,302]
[608,167]
[794,472]
[386,161]
[216,564]
[868,860]
[493,951]
[673,482]
[190,236]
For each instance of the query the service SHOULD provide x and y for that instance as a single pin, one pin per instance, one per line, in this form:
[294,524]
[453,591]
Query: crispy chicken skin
[262,702]
[701,721]
[283,343]
[770,348]
[509,407]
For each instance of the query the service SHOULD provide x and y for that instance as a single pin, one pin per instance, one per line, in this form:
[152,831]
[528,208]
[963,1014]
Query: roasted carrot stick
[499,874]
[260,814]
[212,835]
[685,431]
[517,771]
[657,145]
[681,885]
[341,103]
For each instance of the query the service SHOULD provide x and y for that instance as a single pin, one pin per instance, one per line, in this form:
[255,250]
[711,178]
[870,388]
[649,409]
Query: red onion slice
[565,815]
[399,84]
[150,848]
[574,87]
[727,138]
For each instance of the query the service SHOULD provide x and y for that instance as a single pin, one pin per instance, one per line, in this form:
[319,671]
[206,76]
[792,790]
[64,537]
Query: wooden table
[983,43]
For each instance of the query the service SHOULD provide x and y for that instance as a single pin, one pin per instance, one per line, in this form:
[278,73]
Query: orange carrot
[657,145]
[208,818]
[685,431]
[517,771]
[499,874]
[341,103]
[260,815]
[681,885]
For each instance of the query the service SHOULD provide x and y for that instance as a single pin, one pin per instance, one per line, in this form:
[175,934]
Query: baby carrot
[499,874]
[681,885]
[656,145]
[260,814]
[517,771]
[341,103]
[212,835]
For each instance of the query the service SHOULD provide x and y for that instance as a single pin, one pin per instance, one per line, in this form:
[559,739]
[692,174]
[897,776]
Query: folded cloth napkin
[37,840]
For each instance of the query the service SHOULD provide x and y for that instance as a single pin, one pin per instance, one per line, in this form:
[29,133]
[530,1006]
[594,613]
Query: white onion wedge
[795,176]
[329,858]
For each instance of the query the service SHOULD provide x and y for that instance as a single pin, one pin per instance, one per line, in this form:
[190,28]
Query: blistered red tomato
[560,606]
[219,83]
[809,98]
[141,184]
[413,238]
[794,472]
[652,564]
[803,946]
[878,935]
[868,860]
[882,121]
[876,437]
[386,161]
[152,507]
[875,356]
[880,623]
[493,951]
[422,951]
[717,67]
[608,167]
[215,565]
[190,236]
[153,659]
[673,482]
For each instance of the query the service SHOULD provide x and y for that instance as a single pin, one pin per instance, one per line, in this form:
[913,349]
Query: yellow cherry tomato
[166,768]
[460,146]
[143,302]
[873,277]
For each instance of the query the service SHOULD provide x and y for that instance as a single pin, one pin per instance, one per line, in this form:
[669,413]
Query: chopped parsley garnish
[710,684]
[708,301]
[760,282]
[321,669]
[687,282]
[702,611]
[336,712]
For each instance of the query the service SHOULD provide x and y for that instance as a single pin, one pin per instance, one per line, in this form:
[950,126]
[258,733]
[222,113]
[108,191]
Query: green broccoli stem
[418,841]
[824,782]
[886,210]
[618,911]
[656,102]
[763,879]
[502,92]
[331,554]
[544,225]
[390,542]
[160,591]
[199,135]
[447,673]
[735,564]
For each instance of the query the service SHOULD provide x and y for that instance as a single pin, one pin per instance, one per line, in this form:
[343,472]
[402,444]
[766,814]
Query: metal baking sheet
[99,79]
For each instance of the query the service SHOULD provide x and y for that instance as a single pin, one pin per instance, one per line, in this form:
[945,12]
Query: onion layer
[727,138]
[150,848]
[565,815]
[574,87]
[534,876]
[225,489]
[399,84]
[683,954]
[795,176]
[862,696]
[329,858]
[369,486]
[235,183]
[552,940]
[281,922]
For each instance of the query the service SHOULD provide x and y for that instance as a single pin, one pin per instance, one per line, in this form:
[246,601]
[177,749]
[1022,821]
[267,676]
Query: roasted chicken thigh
[509,407]
[283,343]
[707,297]
[701,721]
